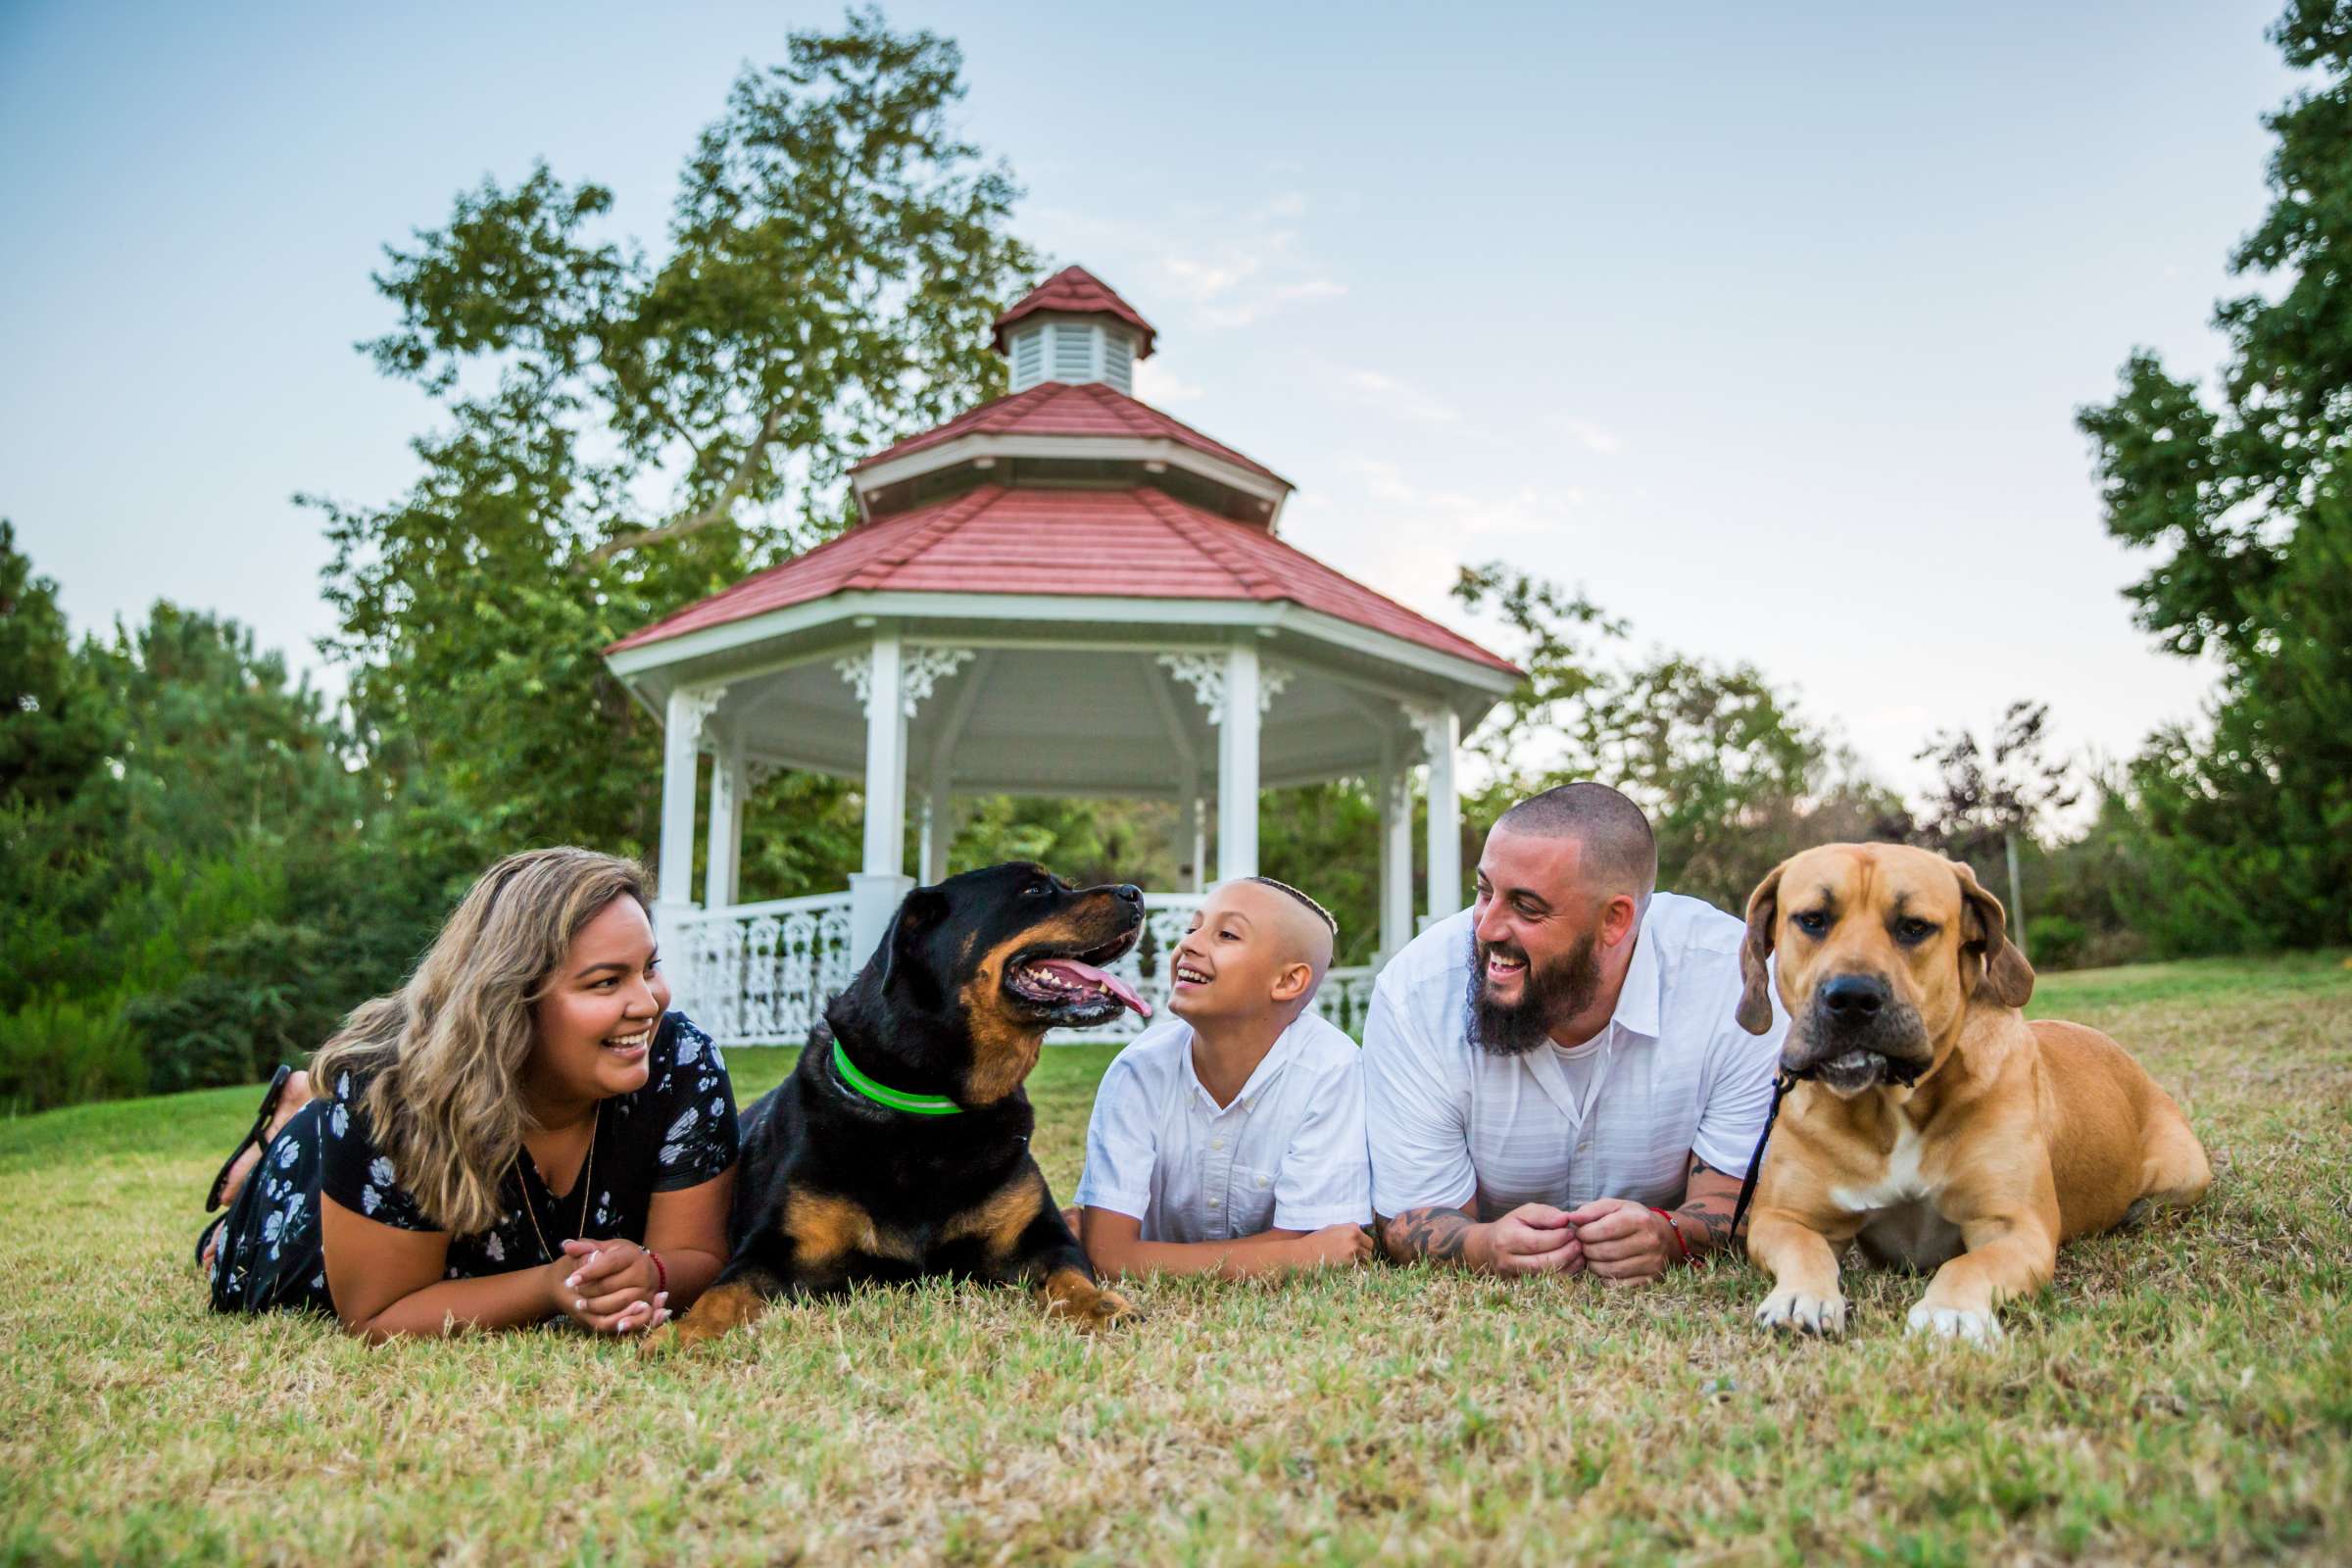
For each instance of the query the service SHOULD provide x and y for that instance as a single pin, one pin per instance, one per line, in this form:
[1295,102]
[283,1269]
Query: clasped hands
[608,1286]
[1614,1239]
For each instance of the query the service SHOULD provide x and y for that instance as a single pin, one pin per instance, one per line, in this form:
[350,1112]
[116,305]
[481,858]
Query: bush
[2055,942]
[60,1050]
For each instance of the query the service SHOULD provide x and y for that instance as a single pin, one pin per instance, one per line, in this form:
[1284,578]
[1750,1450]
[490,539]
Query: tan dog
[1937,1127]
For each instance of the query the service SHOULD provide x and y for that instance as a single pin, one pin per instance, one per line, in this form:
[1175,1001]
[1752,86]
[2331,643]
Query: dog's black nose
[1130,892]
[1853,997]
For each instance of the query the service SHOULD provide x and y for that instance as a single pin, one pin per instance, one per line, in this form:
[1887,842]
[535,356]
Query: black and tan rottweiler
[899,1147]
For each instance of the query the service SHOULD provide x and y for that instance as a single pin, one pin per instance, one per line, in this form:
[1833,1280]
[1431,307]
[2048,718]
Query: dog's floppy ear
[2007,979]
[920,912]
[1763,914]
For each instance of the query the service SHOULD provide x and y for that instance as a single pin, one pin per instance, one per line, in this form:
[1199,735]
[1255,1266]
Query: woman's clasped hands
[609,1286]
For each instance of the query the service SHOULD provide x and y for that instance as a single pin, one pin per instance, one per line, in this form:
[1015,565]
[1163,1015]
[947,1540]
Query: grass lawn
[2184,1393]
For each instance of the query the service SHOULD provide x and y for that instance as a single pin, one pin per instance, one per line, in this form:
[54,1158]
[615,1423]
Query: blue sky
[1764,325]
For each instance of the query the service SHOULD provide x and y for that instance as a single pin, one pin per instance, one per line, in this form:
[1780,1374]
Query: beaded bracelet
[1676,1226]
[662,1275]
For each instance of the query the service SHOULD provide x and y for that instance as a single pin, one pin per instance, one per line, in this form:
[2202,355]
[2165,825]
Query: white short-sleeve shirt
[1287,1154]
[1617,1117]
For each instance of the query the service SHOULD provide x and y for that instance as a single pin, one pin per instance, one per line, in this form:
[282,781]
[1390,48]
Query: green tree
[52,724]
[630,432]
[1993,796]
[1733,777]
[2242,499]
[205,891]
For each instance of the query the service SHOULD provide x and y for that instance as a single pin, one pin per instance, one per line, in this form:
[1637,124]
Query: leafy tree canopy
[2242,496]
[630,431]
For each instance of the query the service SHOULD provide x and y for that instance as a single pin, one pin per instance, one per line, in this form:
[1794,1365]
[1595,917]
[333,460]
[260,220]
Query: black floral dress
[677,1131]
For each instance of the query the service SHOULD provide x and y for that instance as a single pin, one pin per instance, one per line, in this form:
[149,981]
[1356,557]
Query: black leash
[1781,1085]
[1904,1075]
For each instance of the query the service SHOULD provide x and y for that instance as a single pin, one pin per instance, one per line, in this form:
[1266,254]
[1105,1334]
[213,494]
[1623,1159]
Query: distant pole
[2017,898]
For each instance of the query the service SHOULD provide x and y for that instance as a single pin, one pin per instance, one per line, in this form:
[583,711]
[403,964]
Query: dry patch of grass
[2184,1393]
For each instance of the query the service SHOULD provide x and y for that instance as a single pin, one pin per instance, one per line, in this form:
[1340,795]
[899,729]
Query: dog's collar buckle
[883,1095]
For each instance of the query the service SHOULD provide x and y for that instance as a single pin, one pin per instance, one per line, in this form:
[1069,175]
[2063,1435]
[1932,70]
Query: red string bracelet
[662,1275]
[1676,1226]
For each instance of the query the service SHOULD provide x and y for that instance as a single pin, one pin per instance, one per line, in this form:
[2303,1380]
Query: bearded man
[1555,1079]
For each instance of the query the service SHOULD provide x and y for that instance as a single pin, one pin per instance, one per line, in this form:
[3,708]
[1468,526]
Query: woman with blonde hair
[522,1130]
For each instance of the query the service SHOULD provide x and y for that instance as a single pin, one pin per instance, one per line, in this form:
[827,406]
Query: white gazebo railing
[760,974]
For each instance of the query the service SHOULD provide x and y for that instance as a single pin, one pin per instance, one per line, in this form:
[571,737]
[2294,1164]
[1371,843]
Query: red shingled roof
[1132,544]
[1075,291]
[1062,408]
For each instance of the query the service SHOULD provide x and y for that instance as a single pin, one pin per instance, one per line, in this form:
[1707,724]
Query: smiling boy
[1229,1139]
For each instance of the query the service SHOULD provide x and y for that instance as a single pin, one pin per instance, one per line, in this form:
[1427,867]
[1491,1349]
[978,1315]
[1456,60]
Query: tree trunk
[2017,897]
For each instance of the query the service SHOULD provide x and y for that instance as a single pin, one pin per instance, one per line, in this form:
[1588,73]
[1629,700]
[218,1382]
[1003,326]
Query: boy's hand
[1341,1246]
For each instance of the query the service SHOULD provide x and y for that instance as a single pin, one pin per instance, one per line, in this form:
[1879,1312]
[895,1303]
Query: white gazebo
[1064,592]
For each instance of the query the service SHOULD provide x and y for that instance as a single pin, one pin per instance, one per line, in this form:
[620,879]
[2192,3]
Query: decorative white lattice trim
[924,668]
[1205,674]
[693,705]
[920,671]
[859,673]
[1429,722]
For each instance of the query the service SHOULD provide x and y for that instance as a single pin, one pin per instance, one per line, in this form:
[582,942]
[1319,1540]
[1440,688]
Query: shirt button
[1214,1202]
[1219,1144]
[1262,1181]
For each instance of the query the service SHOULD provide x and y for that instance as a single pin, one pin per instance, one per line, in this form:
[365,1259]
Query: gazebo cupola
[1064,592]
[1069,421]
[1071,328]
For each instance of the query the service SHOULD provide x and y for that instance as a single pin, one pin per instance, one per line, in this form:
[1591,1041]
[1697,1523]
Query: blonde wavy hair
[446,1051]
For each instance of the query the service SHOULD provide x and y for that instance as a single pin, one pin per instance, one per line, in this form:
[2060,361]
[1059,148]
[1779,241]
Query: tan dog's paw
[1954,1323]
[1798,1312]
[1086,1306]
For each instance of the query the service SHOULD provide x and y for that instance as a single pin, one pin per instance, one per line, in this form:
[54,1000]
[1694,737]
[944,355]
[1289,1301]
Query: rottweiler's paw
[1954,1323]
[1069,1297]
[1799,1314]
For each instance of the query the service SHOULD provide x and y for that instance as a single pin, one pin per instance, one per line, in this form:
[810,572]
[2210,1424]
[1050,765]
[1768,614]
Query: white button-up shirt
[1287,1154]
[1619,1116]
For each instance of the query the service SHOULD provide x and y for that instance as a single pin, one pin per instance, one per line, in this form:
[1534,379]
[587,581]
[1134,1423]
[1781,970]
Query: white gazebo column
[893,681]
[722,862]
[881,880]
[1236,765]
[1441,729]
[1197,821]
[681,749]
[938,827]
[1394,787]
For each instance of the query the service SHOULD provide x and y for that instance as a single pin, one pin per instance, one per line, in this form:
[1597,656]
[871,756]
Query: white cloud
[1221,266]
[1158,386]
[1385,391]
[1595,438]
[1399,503]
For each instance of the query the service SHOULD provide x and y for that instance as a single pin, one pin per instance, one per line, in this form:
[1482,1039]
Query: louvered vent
[1118,360]
[1028,357]
[1073,352]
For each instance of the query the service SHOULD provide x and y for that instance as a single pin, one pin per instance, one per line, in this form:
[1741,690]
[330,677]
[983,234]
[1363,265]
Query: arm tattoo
[1710,1213]
[1436,1234]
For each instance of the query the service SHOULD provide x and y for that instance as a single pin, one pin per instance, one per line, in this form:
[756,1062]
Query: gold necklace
[587,1176]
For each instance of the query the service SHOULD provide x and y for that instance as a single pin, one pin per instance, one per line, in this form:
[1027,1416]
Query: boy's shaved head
[1302,928]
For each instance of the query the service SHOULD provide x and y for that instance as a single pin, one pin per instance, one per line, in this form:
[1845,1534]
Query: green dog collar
[883,1095]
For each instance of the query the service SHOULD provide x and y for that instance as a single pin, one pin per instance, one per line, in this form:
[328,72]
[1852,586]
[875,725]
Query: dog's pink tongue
[1109,982]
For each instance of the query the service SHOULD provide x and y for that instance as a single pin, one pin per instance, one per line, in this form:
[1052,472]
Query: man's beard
[1548,995]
